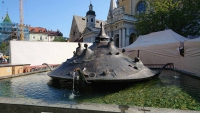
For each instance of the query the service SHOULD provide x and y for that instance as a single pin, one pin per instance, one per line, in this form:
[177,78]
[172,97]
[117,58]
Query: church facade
[85,29]
[120,21]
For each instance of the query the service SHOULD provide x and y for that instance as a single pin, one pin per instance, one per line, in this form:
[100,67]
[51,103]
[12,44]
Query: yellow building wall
[130,6]
[4,71]
[126,5]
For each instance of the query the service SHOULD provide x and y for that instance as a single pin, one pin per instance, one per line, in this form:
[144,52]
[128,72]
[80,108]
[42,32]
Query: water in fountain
[175,73]
[72,95]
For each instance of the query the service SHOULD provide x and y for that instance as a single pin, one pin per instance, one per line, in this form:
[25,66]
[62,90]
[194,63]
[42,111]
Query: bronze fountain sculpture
[102,62]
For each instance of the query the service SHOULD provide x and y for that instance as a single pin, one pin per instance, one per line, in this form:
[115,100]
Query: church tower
[112,7]
[90,16]
[7,18]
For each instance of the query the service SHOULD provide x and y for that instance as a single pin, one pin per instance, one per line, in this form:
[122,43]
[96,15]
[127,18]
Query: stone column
[123,37]
[127,36]
[120,38]
[110,34]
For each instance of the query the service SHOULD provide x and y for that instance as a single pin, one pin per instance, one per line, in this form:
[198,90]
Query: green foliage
[182,16]
[3,47]
[59,39]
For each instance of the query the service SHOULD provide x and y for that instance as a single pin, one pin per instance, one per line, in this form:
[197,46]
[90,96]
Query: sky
[53,14]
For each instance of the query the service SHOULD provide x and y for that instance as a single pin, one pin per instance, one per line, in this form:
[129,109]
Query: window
[40,37]
[141,7]
[33,37]
[92,20]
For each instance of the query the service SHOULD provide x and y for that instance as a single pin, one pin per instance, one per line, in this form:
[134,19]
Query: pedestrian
[3,60]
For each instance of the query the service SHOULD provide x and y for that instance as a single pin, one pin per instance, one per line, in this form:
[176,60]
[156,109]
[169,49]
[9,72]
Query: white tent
[192,56]
[161,39]
[158,48]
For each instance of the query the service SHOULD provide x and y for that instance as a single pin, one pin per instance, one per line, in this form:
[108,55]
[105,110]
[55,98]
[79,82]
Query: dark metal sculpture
[102,62]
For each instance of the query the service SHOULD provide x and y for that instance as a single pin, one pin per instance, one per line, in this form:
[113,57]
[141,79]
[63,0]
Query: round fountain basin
[168,86]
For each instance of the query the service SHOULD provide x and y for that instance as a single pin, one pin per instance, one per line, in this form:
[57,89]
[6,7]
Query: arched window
[116,40]
[141,7]
[132,38]
[92,20]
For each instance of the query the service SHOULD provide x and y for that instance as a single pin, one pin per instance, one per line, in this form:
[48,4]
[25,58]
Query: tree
[59,39]
[4,47]
[182,16]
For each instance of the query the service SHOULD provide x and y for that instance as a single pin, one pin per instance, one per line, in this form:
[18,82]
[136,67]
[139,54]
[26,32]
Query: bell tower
[90,16]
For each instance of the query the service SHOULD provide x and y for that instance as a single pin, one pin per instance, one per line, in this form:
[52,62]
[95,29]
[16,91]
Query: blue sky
[53,14]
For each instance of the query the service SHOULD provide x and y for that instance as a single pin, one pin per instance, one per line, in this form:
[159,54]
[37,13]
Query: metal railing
[158,66]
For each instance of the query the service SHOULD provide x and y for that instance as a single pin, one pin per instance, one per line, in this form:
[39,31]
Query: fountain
[99,64]
[102,62]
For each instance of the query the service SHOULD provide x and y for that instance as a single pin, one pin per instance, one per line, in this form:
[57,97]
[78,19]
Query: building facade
[42,34]
[77,28]
[38,34]
[85,29]
[10,30]
[120,21]
[53,34]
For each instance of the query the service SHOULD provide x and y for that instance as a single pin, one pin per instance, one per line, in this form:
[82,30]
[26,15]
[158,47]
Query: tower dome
[91,12]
